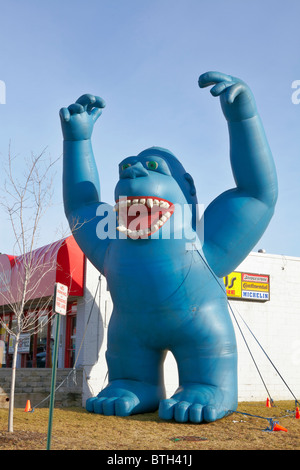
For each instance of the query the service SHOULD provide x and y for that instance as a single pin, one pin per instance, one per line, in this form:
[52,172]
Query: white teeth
[149,201]
[145,201]
[134,234]
[164,204]
[121,203]
[121,228]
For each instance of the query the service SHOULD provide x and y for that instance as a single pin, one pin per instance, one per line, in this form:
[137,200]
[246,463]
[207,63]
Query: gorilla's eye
[152,165]
[126,165]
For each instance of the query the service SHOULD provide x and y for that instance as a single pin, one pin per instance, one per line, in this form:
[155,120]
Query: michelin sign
[247,286]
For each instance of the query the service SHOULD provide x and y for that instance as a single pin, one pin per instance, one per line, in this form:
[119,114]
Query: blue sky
[144,58]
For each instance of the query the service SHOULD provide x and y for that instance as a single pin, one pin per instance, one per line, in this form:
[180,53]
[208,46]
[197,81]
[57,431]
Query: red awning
[62,261]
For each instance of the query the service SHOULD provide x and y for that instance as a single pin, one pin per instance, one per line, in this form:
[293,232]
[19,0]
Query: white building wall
[93,313]
[275,324]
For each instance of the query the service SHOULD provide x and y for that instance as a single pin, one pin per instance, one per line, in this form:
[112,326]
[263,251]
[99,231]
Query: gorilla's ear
[190,180]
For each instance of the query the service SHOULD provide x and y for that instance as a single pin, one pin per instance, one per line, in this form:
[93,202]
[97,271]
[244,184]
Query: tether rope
[230,307]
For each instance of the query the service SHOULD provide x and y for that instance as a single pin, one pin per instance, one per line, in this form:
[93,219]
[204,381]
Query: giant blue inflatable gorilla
[165,296]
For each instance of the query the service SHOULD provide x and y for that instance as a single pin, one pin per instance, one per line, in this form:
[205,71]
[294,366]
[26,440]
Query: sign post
[60,308]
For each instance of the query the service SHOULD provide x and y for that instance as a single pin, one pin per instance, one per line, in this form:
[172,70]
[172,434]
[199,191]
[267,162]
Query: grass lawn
[76,429]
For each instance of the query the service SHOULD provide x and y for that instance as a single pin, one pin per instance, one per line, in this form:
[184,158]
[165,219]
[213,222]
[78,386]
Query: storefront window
[4,337]
[70,336]
[41,339]
[27,357]
[37,342]
[13,327]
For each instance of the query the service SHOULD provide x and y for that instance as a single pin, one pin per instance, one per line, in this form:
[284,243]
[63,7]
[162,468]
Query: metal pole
[53,382]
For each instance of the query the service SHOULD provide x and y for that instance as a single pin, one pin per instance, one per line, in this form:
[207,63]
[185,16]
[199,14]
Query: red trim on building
[70,267]
[62,261]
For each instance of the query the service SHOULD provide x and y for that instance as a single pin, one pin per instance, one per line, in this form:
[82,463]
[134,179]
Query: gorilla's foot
[126,397]
[197,403]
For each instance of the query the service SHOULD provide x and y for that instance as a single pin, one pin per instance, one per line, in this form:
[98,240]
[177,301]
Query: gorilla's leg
[135,377]
[206,356]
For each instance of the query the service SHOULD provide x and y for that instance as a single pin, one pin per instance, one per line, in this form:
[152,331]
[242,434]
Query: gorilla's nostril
[134,171]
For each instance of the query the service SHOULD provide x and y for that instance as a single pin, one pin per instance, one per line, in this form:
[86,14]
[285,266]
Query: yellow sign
[233,284]
[247,286]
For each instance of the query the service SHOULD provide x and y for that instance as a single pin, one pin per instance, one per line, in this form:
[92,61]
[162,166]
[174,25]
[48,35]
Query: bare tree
[25,198]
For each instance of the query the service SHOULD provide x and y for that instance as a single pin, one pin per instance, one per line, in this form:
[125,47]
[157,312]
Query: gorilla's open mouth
[139,217]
